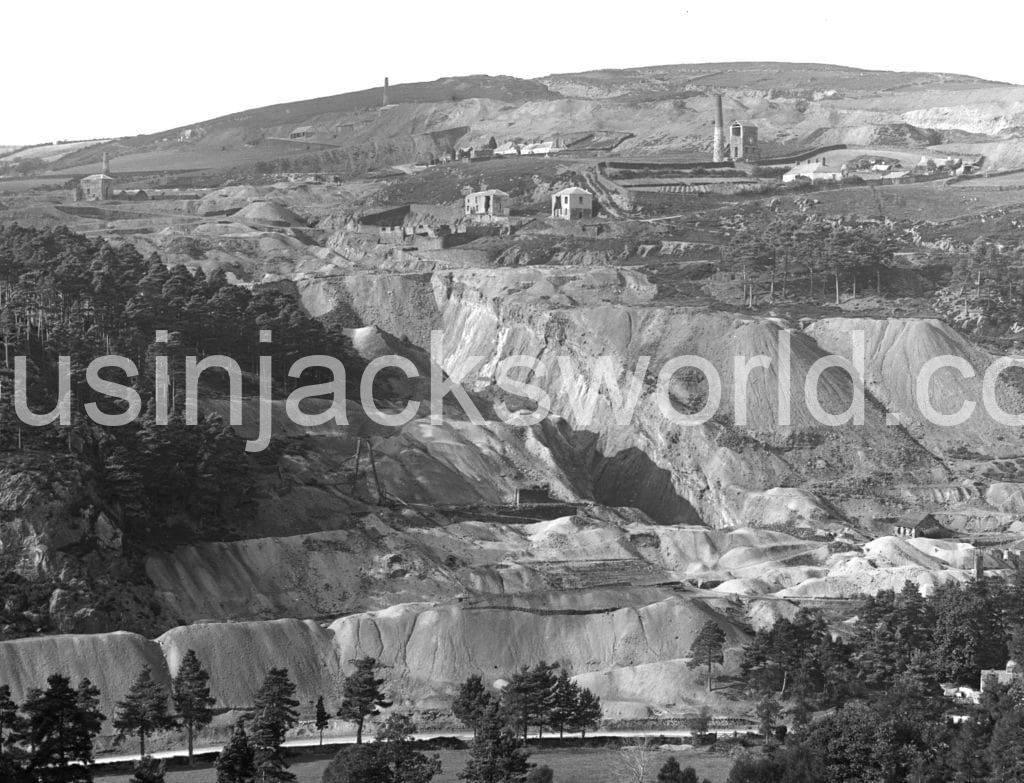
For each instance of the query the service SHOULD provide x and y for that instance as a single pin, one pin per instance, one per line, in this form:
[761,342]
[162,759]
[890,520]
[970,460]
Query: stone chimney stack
[106,164]
[718,154]
[385,100]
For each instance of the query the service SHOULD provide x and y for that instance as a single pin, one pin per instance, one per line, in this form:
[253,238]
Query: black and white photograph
[512,392]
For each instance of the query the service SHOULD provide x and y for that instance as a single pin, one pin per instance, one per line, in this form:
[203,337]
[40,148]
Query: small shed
[572,204]
[492,203]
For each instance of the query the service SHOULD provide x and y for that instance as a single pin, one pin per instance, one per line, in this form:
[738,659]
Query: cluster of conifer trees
[64,294]
[886,718]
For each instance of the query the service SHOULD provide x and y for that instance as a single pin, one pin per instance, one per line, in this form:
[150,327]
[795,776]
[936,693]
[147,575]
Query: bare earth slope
[646,110]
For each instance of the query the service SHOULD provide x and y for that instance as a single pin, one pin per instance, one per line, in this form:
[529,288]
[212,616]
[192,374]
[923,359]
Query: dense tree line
[542,697]
[64,294]
[889,720]
[49,737]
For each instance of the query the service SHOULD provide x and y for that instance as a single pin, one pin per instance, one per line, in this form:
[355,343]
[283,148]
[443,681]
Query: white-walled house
[493,203]
[572,204]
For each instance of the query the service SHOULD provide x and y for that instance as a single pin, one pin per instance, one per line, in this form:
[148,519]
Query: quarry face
[645,530]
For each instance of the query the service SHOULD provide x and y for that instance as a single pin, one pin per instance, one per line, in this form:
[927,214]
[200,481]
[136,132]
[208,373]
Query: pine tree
[10,722]
[60,724]
[362,696]
[235,761]
[471,702]
[565,700]
[144,710]
[588,712]
[670,771]
[767,711]
[191,695]
[396,751]
[322,718]
[497,755]
[275,712]
[527,698]
[12,726]
[707,648]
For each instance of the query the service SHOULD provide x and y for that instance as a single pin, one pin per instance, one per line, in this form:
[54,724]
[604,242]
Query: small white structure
[539,148]
[572,204]
[507,149]
[961,694]
[815,172]
[492,203]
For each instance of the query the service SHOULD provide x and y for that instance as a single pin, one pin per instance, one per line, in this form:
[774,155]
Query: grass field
[570,765]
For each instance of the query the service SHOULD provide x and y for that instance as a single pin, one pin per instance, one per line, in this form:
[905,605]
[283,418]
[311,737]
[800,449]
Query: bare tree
[636,758]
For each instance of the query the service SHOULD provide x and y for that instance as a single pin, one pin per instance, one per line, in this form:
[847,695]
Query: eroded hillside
[635,529]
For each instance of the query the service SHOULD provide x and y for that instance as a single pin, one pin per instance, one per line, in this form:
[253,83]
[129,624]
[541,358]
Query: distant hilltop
[657,110]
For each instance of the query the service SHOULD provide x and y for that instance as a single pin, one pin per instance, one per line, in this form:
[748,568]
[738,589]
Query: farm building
[303,132]
[572,204]
[492,203]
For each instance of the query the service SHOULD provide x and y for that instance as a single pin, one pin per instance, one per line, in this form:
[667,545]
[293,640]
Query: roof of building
[917,519]
[491,192]
[97,177]
[305,129]
[813,168]
[572,192]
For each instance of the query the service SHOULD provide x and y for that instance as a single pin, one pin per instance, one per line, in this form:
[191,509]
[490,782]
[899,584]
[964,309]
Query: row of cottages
[567,204]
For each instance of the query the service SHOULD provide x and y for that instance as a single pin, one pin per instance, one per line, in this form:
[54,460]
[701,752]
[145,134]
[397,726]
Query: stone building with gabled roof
[96,187]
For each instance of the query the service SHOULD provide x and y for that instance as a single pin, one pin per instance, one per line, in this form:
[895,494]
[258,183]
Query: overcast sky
[74,70]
